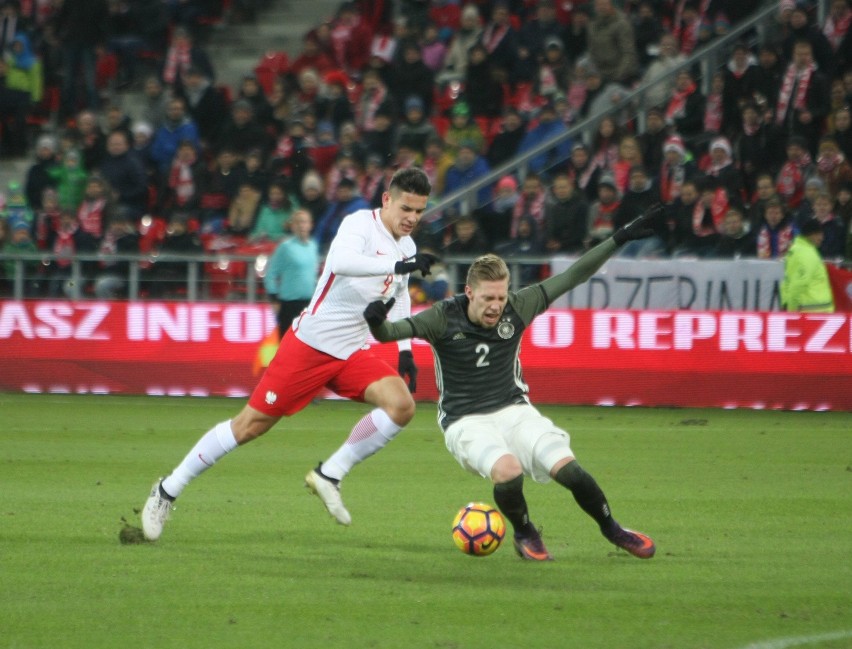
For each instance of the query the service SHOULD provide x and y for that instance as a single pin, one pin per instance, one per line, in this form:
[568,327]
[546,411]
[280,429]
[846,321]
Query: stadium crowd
[457,88]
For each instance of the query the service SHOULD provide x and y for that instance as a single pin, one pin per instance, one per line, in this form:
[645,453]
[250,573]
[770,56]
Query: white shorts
[478,441]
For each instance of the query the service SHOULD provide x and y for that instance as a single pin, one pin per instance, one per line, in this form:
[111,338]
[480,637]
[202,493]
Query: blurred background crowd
[132,142]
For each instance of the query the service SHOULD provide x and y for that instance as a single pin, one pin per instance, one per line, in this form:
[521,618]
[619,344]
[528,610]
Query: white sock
[213,445]
[370,435]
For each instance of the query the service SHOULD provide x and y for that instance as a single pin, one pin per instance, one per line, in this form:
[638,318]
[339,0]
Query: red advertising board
[652,358]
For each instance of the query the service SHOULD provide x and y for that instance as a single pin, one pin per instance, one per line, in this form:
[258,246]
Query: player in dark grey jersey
[489,424]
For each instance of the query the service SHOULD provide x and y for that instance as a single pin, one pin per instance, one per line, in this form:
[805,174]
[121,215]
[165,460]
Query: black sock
[163,493]
[510,500]
[586,492]
[333,481]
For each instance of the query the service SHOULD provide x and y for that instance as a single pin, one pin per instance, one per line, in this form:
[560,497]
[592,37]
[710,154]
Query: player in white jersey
[370,259]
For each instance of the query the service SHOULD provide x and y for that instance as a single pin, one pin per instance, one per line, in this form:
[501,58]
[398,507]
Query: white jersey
[359,269]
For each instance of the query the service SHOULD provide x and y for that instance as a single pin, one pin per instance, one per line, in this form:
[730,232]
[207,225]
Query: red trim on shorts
[325,291]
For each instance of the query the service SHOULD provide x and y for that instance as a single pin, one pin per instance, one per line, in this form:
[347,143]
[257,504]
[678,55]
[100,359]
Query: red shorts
[298,372]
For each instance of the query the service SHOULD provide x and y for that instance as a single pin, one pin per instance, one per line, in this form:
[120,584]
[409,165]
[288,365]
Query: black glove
[377,312]
[407,367]
[422,261]
[639,228]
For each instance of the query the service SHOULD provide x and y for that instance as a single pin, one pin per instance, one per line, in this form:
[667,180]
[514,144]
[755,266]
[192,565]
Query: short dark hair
[412,180]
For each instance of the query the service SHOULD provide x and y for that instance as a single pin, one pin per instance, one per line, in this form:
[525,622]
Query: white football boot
[155,513]
[329,493]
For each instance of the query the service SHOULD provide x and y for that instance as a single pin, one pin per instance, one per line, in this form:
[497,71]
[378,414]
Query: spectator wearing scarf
[803,100]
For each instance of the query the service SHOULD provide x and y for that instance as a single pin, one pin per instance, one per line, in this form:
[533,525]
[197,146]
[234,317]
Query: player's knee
[250,424]
[506,468]
[401,410]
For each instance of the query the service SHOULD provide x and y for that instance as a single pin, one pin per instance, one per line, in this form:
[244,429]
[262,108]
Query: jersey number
[482,349]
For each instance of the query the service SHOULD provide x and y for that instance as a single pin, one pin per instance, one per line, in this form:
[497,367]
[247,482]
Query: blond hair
[486,268]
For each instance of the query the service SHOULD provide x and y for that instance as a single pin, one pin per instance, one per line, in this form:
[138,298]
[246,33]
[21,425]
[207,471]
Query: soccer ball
[478,529]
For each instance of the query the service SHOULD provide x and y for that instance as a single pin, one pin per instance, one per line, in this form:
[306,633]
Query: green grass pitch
[750,512]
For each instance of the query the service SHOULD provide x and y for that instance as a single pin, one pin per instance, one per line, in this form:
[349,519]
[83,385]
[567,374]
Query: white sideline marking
[784,643]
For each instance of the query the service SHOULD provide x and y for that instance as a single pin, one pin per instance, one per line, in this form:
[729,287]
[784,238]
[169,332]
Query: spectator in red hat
[332,104]
[311,57]
[675,169]
[350,39]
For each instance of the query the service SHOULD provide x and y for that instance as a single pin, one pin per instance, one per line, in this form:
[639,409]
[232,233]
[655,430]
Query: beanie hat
[811,226]
[47,142]
[336,77]
[674,143]
[414,103]
[607,180]
[721,143]
[507,182]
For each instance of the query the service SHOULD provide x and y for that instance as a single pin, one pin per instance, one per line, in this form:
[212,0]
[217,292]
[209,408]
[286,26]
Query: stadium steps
[236,49]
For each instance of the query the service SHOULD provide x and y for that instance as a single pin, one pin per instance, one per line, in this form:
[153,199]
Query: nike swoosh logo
[379,252]
[201,457]
[487,545]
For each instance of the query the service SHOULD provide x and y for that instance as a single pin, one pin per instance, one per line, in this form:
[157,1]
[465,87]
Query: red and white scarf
[91,217]
[602,217]
[368,107]
[718,208]
[790,183]
[671,180]
[492,35]
[688,39]
[677,104]
[177,62]
[605,156]
[784,96]
[713,113]
[335,175]
[64,247]
[528,206]
[182,182]
[835,30]
[370,184]
[783,237]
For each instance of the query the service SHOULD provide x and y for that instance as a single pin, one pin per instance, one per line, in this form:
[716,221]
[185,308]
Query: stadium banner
[608,357]
[685,284]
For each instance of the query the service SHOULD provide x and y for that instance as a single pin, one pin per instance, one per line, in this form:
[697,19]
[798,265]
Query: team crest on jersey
[505,329]
[271,397]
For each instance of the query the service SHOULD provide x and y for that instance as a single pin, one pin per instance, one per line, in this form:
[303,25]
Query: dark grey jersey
[477,369]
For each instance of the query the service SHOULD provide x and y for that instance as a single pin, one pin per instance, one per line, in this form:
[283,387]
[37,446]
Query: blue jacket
[543,132]
[168,137]
[293,270]
[458,178]
[330,220]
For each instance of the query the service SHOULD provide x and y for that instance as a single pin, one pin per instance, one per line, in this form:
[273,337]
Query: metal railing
[220,277]
[205,276]
[709,58]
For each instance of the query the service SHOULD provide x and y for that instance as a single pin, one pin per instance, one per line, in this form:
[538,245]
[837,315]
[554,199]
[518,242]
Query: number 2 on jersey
[482,349]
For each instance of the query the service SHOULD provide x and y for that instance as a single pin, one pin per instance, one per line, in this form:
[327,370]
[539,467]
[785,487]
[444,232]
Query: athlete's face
[401,211]
[486,302]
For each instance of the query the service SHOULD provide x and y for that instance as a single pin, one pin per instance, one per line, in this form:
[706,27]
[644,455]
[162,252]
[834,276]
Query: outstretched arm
[427,324]
[587,265]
